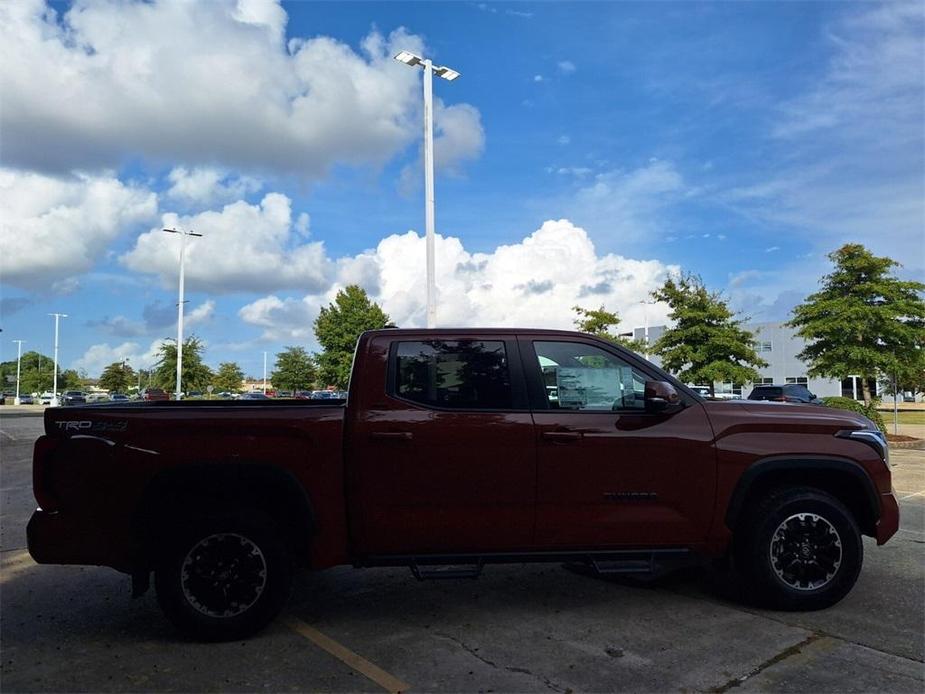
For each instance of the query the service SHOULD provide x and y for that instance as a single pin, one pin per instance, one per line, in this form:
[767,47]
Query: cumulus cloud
[52,228]
[205,186]
[244,247]
[99,356]
[532,283]
[208,83]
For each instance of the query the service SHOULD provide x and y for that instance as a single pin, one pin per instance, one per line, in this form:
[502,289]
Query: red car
[149,394]
[460,447]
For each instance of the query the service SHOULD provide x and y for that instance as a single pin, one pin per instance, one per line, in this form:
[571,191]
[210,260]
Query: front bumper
[56,538]
[889,518]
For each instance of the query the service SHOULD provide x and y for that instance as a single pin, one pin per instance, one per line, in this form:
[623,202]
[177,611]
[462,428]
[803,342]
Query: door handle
[391,436]
[562,436]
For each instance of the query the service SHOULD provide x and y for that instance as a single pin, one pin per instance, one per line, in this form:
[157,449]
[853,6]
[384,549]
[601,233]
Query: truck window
[579,376]
[458,374]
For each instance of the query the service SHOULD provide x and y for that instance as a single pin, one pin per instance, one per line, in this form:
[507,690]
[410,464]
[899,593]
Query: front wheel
[801,549]
[224,579]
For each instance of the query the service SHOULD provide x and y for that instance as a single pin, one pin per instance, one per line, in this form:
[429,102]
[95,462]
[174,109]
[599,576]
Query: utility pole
[54,387]
[18,362]
[180,302]
[264,373]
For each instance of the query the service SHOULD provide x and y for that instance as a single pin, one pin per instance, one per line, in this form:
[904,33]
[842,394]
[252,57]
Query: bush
[869,411]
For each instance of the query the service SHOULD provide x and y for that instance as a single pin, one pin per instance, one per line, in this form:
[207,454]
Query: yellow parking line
[345,655]
[14,562]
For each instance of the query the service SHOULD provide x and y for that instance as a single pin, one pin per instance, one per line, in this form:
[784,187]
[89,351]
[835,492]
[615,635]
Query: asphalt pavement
[520,628]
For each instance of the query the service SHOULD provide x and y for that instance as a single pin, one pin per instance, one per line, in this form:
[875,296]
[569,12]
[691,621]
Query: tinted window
[461,374]
[578,376]
[764,392]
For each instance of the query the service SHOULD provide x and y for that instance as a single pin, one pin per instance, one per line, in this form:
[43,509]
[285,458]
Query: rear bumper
[889,518]
[56,538]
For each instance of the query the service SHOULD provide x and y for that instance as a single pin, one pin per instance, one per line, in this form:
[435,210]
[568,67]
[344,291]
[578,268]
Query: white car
[46,398]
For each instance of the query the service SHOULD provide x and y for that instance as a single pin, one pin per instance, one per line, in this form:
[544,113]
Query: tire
[800,549]
[224,578]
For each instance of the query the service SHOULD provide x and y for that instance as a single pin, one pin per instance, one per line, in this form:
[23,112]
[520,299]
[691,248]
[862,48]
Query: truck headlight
[874,438]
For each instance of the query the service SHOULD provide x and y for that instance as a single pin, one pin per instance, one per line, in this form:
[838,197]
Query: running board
[602,563]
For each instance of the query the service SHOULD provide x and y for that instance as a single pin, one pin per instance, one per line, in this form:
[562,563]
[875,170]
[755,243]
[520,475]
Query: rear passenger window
[460,374]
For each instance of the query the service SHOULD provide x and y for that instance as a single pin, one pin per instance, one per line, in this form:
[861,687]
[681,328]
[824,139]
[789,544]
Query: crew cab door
[440,448]
[609,474]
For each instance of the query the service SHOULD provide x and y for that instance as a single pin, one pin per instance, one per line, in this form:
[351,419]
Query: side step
[435,573]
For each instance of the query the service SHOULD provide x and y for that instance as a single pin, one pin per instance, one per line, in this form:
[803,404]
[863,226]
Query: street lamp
[180,302]
[54,387]
[448,74]
[18,361]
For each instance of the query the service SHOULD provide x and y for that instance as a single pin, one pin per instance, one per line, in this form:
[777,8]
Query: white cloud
[210,83]
[566,67]
[532,283]
[99,356]
[244,248]
[537,78]
[52,228]
[564,139]
[207,185]
[630,206]
[201,314]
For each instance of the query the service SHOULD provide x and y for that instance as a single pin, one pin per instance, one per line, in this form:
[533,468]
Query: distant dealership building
[779,346]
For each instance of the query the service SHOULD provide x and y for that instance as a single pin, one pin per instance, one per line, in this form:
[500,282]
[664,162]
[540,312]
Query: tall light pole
[645,313]
[18,361]
[54,387]
[264,373]
[448,74]
[180,302]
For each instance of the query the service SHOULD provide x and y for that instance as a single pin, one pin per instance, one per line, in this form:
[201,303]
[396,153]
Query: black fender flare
[771,465]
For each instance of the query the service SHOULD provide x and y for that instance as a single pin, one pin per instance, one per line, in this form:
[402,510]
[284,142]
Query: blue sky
[587,151]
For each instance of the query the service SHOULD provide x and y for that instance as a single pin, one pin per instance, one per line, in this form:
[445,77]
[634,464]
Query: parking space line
[348,657]
[909,496]
[15,562]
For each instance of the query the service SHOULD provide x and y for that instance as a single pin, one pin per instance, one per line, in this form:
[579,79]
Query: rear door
[610,474]
[441,450]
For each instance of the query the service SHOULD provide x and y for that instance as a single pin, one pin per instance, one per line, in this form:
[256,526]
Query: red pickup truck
[455,449]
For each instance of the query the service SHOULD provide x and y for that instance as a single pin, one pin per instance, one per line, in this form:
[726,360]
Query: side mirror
[661,396]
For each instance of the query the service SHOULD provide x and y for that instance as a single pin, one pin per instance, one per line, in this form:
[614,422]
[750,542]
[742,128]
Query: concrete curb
[4,413]
[918,445]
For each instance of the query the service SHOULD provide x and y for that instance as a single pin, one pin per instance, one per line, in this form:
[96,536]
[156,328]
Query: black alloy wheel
[799,549]
[225,578]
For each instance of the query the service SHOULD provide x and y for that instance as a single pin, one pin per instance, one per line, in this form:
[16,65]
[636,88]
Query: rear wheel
[225,578]
[801,549]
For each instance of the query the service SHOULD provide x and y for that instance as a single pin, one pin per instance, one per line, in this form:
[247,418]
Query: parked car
[46,398]
[788,392]
[73,397]
[284,394]
[154,394]
[26,399]
[119,397]
[702,391]
[450,452]
[256,395]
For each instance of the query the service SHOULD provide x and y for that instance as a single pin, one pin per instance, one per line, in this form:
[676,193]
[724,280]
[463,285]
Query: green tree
[36,374]
[337,329]
[864,321]
[228,378]
[294,370]
[603,323]
[118,377]
[196,375]
[706,342]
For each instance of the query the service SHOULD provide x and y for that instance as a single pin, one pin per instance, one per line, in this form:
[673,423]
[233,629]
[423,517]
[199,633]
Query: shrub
[869,411]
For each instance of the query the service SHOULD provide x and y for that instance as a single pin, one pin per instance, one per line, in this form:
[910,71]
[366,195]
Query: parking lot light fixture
[54,387]
[448,74]
[18,371]
[180,302]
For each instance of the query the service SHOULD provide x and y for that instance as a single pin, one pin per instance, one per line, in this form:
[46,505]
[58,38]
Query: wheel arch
[214,489]
[844,479]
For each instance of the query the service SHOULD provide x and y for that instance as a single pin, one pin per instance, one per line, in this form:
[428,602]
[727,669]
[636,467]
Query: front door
[610,474]
[444,460]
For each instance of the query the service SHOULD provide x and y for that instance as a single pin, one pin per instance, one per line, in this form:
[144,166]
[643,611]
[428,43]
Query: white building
[779,346]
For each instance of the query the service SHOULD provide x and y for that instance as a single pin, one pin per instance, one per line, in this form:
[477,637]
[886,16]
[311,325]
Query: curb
[909,445]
